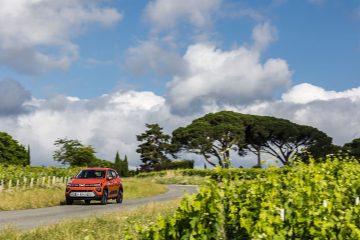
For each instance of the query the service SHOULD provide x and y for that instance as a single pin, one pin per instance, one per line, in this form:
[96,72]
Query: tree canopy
[11,152]
[212,136]
[215,135]
[353,147]
[154,147]
[74,153]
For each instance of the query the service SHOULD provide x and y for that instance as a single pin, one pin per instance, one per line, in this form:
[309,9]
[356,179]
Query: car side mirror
[109,178]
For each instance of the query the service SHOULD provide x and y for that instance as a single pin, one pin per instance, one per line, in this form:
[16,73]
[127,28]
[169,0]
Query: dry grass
[31,198]
[46,197]
[118,225]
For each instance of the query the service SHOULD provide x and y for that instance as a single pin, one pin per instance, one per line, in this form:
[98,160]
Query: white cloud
[306,93]
[335,113]
[228,77]
[166,14]
[35,35]
[148,57]
[109,123]
[263,35]
[12,97]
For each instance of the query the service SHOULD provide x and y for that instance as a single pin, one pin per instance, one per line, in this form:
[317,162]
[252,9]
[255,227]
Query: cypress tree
[28,156]
[126,167]
[118,163]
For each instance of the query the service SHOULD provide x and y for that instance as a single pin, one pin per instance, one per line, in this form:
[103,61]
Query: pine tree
[154,147]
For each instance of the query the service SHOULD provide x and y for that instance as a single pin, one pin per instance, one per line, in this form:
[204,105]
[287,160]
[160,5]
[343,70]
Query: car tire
[87,202]
[119,197]
[69,201]
[104,198]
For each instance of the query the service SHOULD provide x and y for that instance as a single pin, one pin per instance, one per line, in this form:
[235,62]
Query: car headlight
[72,185]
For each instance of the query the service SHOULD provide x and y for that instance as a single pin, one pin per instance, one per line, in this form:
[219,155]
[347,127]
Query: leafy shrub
[305,201]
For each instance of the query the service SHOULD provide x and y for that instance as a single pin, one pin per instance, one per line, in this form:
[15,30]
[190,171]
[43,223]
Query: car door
[110,183]
[116,182]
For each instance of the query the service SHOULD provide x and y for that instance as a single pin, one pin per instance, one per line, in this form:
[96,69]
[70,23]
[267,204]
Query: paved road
[31,218]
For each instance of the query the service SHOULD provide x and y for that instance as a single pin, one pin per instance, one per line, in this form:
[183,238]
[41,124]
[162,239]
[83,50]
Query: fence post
[31,182]
[25,182]
[9,184]
[2,185]
[43,181]
[17,183]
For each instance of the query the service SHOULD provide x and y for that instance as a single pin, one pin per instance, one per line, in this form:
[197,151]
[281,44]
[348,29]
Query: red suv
[95,184]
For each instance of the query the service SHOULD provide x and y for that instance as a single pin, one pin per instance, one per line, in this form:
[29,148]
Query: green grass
[117,225]
[46,197]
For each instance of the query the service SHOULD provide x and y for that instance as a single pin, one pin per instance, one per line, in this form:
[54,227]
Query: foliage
[154,147]
[215,135]
[283,139]
[11,152]
[100,163]
[353,147]
[74,153]
[314,201]
[215,174]
[212,135]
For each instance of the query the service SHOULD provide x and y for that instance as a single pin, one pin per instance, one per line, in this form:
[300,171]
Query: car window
[113,174]
[91,174]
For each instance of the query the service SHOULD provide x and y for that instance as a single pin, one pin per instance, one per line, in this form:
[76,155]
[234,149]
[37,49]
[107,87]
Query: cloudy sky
[98,70]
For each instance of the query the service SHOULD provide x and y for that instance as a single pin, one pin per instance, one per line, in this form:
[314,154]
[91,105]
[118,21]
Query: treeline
[69,152]
[75,154]
[215,135]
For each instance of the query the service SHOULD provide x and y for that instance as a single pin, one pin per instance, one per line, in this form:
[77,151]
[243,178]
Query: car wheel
[119,197]
[69,201]
[87,202]
[104,198]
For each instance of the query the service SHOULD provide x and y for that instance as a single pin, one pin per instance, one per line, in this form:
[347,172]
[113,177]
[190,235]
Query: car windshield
[91,174]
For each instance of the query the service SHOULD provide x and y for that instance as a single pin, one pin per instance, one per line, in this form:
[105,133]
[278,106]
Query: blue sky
[320,41]
[99,70]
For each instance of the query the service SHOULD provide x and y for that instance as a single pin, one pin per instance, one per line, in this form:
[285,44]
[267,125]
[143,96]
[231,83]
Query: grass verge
[117,225]
[46,197]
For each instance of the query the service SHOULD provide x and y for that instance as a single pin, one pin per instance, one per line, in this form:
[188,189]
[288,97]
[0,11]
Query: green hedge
[217,173]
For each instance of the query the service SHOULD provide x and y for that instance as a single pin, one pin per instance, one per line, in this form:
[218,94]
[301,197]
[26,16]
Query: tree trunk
[258,157]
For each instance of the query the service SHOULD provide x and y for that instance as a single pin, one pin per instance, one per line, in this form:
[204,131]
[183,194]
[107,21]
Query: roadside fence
[26,183]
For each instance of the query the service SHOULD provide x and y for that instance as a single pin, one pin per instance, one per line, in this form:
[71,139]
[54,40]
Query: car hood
[86,181]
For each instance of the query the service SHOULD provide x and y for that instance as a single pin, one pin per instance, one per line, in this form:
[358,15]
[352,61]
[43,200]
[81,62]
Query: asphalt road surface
[31,218]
